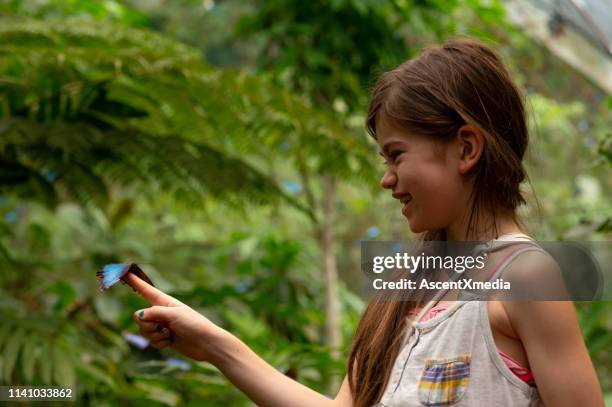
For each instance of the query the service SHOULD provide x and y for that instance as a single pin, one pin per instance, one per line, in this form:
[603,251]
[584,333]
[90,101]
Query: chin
[416,227]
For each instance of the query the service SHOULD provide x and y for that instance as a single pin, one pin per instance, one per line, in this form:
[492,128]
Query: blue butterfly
[110,274]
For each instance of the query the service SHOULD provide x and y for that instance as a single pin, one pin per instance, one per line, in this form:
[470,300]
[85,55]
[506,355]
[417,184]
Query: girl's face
[425,176]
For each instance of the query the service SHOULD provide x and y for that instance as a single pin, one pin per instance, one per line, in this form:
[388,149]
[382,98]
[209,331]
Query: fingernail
[158,327]
[141,314]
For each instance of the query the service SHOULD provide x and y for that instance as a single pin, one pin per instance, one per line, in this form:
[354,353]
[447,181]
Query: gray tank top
[452,358]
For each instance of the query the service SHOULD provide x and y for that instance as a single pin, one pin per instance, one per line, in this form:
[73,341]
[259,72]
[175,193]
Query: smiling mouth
[405,200]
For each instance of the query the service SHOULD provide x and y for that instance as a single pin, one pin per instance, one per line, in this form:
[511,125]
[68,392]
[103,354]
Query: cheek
[437,193]
[430,180]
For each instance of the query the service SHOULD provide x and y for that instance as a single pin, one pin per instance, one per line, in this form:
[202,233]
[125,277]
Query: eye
[394,154]
[391,157]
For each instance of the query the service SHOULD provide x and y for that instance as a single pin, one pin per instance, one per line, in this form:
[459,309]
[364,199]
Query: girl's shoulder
[520,257]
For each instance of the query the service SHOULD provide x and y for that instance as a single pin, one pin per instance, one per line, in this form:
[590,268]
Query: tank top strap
[494,274]
[510,257]
[525,244]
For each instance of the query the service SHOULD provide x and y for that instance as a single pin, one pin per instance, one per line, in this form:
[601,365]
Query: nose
[388,179]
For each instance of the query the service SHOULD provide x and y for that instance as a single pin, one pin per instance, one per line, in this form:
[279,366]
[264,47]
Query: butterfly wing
[137,271]
[111,274]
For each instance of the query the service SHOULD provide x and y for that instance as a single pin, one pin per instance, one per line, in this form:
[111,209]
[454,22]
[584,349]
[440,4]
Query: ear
[471,145]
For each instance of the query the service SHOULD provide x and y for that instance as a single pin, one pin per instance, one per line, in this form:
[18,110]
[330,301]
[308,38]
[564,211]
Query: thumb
[155,313]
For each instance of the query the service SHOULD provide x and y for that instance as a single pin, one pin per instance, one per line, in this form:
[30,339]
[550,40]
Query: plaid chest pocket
[444,381]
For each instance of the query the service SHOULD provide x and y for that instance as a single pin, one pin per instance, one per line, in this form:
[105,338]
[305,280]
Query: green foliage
[92,9]
[77,114]
[111,83]
[574,198]
[311,46]
[260,287]
[95,113]
[596,324]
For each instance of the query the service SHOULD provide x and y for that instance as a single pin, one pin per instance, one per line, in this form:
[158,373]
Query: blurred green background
[220,145]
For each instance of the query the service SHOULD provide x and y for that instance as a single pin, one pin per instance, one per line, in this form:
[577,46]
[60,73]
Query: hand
[170,323]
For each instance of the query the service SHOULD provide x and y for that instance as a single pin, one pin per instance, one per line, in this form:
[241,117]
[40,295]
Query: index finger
[148,292]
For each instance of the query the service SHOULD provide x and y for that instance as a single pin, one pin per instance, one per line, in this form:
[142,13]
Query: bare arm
[193,335]
[551,335]
[265,385]
[556,351]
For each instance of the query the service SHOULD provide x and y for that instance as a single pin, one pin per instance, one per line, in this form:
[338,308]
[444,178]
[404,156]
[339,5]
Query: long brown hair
[444,87]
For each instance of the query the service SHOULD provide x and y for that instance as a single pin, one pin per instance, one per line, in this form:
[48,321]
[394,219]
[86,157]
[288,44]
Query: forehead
[388,133]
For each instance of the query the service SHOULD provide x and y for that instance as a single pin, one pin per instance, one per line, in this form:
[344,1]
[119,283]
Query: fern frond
[124,80]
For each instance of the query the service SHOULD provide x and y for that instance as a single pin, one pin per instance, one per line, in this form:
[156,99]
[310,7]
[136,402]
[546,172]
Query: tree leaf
[11,352]
[29,356]
[63,366]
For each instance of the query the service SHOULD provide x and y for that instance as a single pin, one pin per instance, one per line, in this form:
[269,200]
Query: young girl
[451,125]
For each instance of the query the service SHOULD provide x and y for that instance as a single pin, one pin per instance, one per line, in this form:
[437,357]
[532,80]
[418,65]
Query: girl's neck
[483,229]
